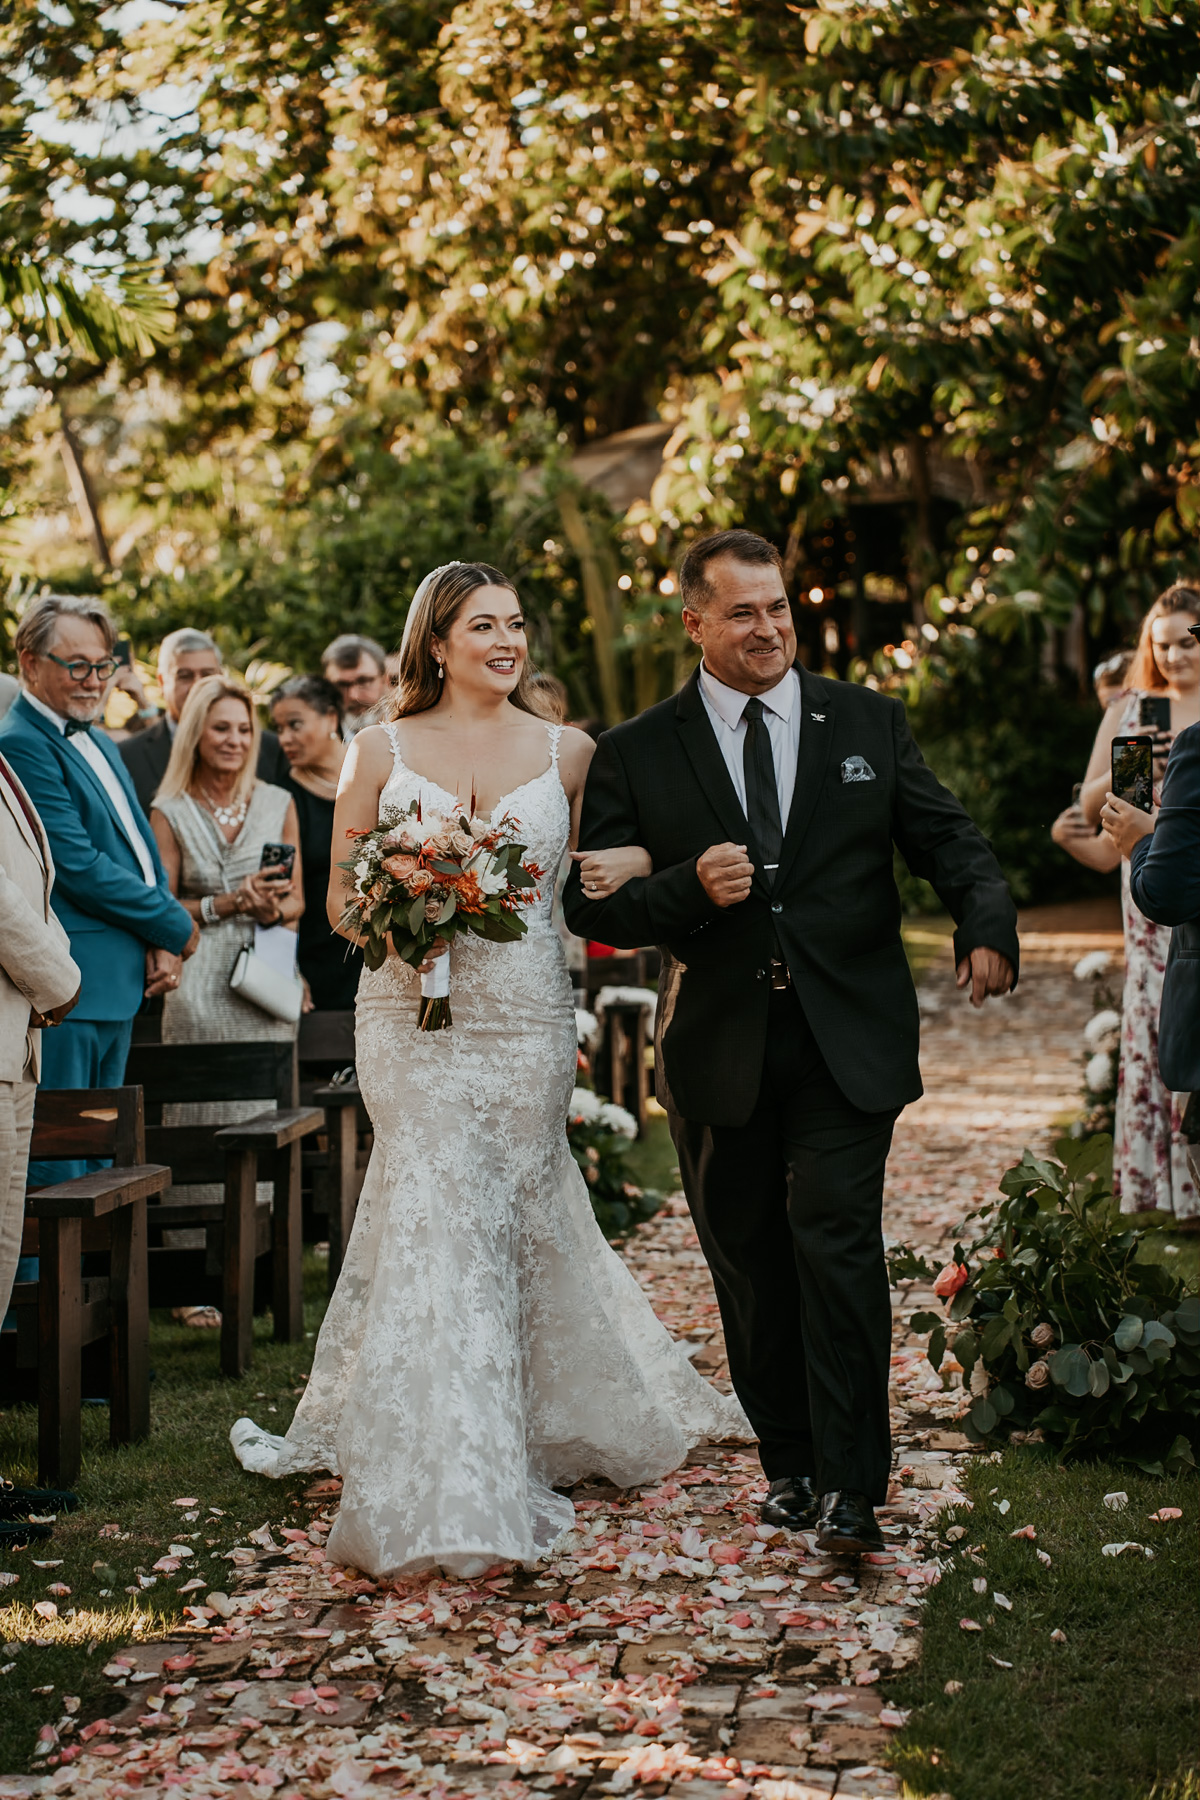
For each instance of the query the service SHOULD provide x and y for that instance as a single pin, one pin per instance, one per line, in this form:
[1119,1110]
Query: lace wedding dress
[484,1344]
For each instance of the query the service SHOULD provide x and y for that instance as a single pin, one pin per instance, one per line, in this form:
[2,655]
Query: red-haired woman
[1149,1156]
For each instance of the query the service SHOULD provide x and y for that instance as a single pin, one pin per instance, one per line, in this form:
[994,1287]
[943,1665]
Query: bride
[484,1346]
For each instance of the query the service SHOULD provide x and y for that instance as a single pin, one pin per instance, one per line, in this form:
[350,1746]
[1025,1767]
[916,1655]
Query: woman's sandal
[200,1318]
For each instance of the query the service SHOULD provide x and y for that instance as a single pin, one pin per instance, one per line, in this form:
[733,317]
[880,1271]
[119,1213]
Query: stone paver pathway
[674,1646]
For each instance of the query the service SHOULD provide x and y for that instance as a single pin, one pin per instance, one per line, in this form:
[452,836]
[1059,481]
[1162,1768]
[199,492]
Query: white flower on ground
[1094,963]
[584,1105]
[1103,1032]
[616,1119]
[1098,1072]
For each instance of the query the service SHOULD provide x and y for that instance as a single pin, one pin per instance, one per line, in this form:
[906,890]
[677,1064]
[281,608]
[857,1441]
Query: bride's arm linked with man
[770,800]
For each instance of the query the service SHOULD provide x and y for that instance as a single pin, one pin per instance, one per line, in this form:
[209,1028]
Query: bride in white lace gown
[484,1345]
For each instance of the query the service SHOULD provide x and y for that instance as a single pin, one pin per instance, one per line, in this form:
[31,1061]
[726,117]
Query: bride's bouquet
[416,879]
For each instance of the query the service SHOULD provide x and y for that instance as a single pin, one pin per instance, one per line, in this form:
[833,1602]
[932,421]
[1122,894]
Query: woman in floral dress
[1150,1168]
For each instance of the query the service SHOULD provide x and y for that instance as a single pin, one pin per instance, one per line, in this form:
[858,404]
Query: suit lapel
[12,794]
[816,742]
[75,761]
[704,753]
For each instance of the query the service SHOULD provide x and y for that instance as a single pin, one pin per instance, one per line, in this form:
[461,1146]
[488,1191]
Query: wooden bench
[337,1168]
[63,1310]
[237,1230]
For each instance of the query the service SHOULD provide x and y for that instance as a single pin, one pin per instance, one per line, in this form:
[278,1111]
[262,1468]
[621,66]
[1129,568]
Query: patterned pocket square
[857,768]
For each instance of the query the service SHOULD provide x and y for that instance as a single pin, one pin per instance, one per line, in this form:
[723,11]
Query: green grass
[186,1457]
[1112,1713]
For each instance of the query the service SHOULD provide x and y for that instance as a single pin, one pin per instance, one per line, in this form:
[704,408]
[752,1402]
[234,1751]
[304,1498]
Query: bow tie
[74,725]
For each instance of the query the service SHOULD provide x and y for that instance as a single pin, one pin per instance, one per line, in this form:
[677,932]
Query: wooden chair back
[95,1123]
[261,1070]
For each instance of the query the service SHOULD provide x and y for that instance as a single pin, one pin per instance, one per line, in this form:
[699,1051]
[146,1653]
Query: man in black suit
[769,800]
[184,658]
[1164,879]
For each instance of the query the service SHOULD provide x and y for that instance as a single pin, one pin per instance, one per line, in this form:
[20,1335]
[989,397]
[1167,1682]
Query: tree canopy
[913,281]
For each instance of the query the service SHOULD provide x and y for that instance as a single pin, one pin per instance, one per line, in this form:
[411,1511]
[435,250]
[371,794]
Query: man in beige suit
[39,984]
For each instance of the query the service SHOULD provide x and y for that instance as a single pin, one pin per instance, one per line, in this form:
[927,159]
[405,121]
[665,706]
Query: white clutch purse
[265,980]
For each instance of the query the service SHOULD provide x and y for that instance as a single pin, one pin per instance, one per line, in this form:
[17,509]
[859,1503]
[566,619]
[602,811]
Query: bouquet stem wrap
[434,1012]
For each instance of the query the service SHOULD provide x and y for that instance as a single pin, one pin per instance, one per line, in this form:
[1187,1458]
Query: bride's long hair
[435,606]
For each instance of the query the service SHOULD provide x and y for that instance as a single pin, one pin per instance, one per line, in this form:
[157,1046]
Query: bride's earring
[441,673]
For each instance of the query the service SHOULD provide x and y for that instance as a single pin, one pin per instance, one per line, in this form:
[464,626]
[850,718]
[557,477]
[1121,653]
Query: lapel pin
[819,717]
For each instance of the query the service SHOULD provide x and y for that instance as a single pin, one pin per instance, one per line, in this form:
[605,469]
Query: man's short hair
[347,652]
[742,546]
[39,625]
[186,642]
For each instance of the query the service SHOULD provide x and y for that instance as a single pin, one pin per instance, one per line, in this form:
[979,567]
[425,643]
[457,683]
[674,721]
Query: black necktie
[762,795]
[74,725]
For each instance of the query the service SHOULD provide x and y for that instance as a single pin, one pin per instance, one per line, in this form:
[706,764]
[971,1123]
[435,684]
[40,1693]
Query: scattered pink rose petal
[969,1625]
[1164,1513]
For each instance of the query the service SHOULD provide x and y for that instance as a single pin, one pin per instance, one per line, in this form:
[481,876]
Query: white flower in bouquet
[615,1119]
[491,879]
[584,1107]
[586,1026]
[1094,963]
[1104,1031]
[1099,1072]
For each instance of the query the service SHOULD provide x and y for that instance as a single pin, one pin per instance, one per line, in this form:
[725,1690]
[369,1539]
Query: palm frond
[90,320]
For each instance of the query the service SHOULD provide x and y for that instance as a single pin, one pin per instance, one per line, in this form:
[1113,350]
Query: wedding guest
[211,817]
[39,985]
[1150,1167]
[1164,879]
[307,714]
[1071,831]
[357,667]
[128,934]
[184,658]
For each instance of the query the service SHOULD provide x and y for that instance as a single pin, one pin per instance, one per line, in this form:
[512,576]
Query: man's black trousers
[788,1212]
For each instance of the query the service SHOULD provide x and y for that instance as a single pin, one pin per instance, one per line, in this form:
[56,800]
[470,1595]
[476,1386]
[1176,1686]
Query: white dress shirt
[781,716]
[89,749]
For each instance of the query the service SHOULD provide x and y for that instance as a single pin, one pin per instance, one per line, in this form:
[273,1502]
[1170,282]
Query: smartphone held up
[1133,770]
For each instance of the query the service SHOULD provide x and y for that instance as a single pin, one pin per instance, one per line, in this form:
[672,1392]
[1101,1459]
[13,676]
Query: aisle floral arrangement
[600,1133]
[1101,1047]
[1066,1333]
[416,878]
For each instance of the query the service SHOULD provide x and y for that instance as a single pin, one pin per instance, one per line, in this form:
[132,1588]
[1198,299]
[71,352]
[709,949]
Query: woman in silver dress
[211,817]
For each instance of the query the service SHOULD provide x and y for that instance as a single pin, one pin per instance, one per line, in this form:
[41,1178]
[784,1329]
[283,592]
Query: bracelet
[208,910]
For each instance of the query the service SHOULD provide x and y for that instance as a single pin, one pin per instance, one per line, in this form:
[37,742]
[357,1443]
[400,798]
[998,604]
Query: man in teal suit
[128,933]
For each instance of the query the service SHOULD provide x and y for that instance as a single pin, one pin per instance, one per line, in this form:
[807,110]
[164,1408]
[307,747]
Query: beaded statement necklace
[226,816]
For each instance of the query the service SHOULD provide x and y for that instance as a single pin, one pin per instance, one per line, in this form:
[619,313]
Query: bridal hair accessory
[423,588]
[417,878]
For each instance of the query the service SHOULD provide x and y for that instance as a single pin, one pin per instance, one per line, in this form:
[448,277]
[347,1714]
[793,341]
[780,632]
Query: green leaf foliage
[1087,1343]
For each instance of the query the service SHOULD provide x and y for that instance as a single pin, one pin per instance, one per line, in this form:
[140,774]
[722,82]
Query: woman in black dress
[307,714]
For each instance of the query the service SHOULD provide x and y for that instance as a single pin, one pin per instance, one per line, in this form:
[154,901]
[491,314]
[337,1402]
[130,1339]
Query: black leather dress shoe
[792,1503]
[847,1523]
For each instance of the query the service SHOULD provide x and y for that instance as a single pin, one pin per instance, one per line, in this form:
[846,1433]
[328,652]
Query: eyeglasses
[80,670]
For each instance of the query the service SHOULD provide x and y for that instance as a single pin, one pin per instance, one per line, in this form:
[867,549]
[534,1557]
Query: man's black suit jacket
[660,781]
[1164,879]
[147,754]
